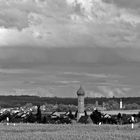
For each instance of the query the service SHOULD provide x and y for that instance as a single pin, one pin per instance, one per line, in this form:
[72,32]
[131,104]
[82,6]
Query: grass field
[68,132]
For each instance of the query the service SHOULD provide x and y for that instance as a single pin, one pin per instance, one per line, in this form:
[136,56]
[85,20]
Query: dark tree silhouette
[85,113]
[76,114]
[38,115]
[96,116]
[31,118]
[44,120]
[70,115]
[119,118]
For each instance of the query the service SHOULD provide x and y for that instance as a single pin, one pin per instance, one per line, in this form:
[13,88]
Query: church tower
[81,108]
[121,104]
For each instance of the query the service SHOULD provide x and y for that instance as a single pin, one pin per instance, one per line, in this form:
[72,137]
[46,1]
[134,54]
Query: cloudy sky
[50,47]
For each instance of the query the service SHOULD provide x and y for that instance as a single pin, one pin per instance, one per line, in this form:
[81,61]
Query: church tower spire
[81,108]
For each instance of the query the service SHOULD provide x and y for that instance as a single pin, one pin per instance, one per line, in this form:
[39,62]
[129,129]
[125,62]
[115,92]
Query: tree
[38,115]
[132,106]
[96,116]
[28,105]
[112,105]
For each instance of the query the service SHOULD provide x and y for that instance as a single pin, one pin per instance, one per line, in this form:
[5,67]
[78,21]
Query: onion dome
[80,91]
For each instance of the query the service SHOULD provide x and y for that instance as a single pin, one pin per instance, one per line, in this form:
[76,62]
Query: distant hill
[15,101]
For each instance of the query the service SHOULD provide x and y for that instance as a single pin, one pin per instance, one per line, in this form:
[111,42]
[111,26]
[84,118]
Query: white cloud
[91,75]
[44,92]
[15,37]
[109,91]
[67,23]
[67,82]
[94,94]
[98,11]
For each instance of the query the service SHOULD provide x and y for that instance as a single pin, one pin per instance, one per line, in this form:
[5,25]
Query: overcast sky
[38,33]
[70,23]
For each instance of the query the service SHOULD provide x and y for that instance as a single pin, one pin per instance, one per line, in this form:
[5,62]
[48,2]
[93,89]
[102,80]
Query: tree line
[109,103]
